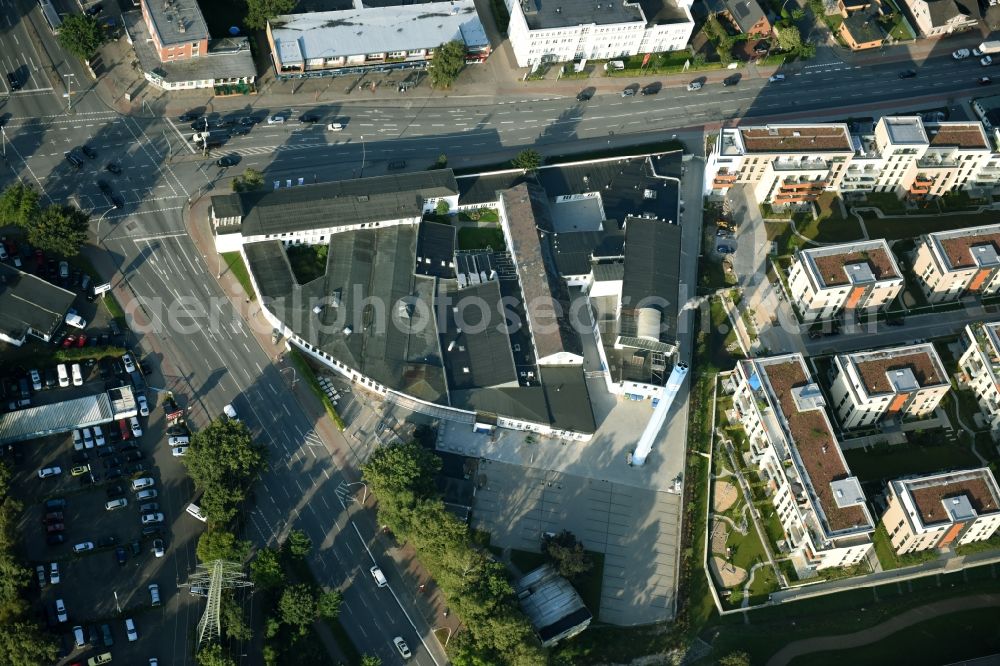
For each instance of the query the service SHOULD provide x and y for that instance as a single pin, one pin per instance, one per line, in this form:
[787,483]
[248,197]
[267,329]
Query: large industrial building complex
[590,256]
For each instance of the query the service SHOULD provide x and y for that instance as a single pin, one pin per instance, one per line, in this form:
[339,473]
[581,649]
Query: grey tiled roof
[27,301]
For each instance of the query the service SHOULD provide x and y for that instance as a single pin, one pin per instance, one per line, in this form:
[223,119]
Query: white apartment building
[942,510]
[901,382]
[855,276]
[952,263]
[789,164]
[543,32]
[981,364]
[819,502]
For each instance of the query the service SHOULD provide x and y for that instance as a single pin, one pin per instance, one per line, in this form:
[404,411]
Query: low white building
[901,382]
[981,364]
[542,32]
[853,276]
[819,503]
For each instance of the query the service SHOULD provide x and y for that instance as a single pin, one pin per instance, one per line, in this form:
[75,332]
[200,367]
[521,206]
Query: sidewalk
[419,589]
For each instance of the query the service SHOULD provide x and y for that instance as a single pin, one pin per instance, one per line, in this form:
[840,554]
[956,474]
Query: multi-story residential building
[981,364]
[900,382]
[352,41]
[819,502]
[952,263]
[176,52]
[784,164]
[791,164]
[855,276]
[942,510]
[543,32]
[936,18]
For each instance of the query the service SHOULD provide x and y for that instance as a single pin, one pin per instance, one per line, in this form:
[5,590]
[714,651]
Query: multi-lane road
[149,247]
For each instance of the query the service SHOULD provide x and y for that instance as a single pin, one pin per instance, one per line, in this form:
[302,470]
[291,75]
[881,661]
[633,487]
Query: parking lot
[107,583]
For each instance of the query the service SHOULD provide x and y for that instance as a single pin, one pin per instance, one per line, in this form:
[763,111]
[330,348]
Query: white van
[180,440]
[77,375]
[63,375]
[195,511]
[119,503]
[616,65]
[335,127]
[276,120]
[379,577]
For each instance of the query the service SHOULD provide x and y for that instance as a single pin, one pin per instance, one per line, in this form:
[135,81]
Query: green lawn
[481,215]
[943,640]
[236,266]
[308,261]
[887,202]
[890,462]
[992,543]
[113,307]
[764,583]
[747,550]
[478,238]
[915,225]
[830,226]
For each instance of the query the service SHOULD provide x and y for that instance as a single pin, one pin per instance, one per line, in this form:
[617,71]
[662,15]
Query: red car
[53,517]
[81,341]
[39,259]
[55,527]
[11,247]
[68,342]
[125,428]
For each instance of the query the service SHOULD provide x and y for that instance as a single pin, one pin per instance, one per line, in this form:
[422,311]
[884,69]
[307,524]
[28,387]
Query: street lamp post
[69,90]
[362,175]
[295,375]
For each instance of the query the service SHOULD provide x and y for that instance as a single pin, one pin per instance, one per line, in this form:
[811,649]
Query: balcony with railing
[800,165]
[724,179]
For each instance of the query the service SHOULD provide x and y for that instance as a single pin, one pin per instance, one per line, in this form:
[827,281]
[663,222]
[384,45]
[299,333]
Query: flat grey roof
[354,201]
[905,129]
[59,417]
[299,38]
[574,250]
[177,21]
[27,301]
[545,297]
[568,397]
[476,348]
[652,265]
[227,58]
[436,249]
[542,15]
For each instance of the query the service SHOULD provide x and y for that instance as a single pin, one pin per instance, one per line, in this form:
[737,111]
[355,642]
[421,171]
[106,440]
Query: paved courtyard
[636,528]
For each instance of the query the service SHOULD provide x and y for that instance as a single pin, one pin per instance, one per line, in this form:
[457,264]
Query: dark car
[586,94]
[651,89]
[104,542]
[395,165]
[55,539]
[55,504]
[117,201]
[227,161]
[115,491]
[908,74]
[188,117]
[93,10]
[121,555]
[178,430]
[53,517]
[89,152]
[106,451]
[114,473]
[136,470]
[133,456]
[249,121]
[14,81]
[106,633]
[145,368]
[79,456]
[135,546]
[239,131]
[112,462]
[152,530]
[104,187]
[75,161]
[732,80]
[113,168]
[129,446]
[309,118]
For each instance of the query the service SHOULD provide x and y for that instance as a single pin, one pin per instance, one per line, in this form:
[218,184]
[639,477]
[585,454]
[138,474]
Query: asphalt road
[210,366]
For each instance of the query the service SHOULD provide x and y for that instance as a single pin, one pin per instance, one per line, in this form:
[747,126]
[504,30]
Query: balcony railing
[812,165]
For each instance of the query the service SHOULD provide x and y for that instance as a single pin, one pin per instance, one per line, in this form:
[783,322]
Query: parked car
[107,541]
[140,401]
[908,74]
[404,649]
[54,577]
[61,611]
[776,78]
[113,168]
[129,363]
[130,630]
[179,451]
[148,494]
[121,556]
[55,539]
[106,633]
[986,61]
[152,518]
[158,549]
[40,571]
[136,428]
[83,547]
[88,151]
[139,484]
[46,472]
[961,54]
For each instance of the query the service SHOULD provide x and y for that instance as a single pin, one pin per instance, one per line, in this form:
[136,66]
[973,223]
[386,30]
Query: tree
[567,554]
[442,208]
[298,544]
[402,469]
[735,659]
[251,180]
[19,205]
[213,655]
[59,229]
[259,12]
[233,621]
[370,660]
[449,59]
[441,162]
[298,607]
[789,38]
[328,604]
[266,571]
[218,544]
[223,461]
[81,35]
[23,644]
[527,159]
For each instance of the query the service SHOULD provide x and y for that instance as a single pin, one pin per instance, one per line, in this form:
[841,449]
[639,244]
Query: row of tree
[475,585]
[22,643]
[57,228]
